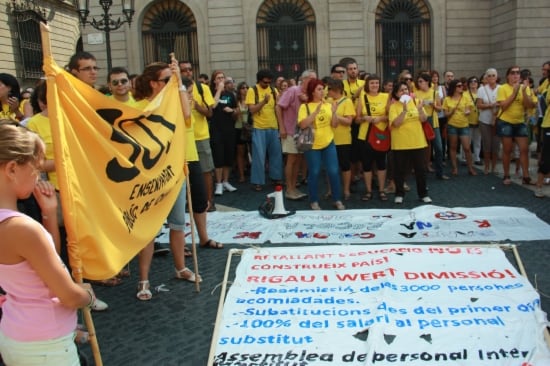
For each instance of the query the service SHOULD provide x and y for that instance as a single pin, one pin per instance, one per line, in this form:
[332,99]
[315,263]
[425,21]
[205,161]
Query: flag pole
[72,248]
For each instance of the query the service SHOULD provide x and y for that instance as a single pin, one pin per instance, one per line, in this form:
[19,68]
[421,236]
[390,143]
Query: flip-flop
[212,244]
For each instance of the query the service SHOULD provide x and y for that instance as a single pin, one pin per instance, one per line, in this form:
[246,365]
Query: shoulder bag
[304,137]
[379,140]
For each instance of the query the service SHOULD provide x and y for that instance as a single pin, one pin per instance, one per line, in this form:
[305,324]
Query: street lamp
[106,23]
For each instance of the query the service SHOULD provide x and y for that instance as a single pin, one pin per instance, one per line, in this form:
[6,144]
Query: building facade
[289,36]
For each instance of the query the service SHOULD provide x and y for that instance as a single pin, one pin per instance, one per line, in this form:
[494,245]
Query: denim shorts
[458,131]
[507,129]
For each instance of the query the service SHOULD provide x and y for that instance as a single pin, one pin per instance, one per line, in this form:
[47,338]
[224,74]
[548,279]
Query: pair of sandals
[368,196]
[144,287]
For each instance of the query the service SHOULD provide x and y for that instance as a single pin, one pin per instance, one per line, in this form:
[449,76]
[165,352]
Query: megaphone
[275,210]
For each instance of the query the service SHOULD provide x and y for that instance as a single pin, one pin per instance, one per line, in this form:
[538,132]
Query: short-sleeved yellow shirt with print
[322,127]
[265,118]
[342,133]
[409,135]
[377,106]
[515,113]
[201,123]
[458,119]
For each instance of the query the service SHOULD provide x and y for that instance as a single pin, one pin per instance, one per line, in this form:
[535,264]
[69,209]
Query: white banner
[380,305]
[424,224]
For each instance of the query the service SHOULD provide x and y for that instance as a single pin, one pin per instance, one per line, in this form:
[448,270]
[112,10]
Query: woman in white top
[487,106]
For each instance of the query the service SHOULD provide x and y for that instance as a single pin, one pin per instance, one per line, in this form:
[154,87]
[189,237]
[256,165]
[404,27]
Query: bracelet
[92,299]
[182,88]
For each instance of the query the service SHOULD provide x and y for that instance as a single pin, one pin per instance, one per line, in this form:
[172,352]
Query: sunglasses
[514,72]
[459,85]
[165,80]
[340,71]
[115,82]
[408,79]
[473,81]
[186,69]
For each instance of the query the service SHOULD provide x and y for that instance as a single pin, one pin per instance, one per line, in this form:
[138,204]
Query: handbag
[428,131]
[304,137]
[379,140]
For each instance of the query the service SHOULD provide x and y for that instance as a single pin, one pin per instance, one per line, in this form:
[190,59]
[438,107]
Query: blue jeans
[266,141]
[176,217]
[437,145]
[315,158]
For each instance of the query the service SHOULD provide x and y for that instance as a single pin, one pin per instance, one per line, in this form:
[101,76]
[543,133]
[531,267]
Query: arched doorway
[169,26]
[286,37]
[403,37]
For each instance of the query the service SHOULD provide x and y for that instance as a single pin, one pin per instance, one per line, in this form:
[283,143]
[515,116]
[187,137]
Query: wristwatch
[183,87]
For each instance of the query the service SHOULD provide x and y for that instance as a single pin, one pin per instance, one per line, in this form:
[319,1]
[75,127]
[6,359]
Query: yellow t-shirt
[377,109]
[546,119]
[342,133]
[131,102]
[322,128]
[191,153]
[542,87]
[409,135]
[515,113]
[201,123]
[6,113]
[41,125]
[428,96]
[351,88]
[265,118]
[458,119]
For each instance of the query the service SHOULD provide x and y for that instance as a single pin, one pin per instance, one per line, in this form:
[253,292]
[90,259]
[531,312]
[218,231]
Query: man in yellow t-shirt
[203,101]
[352,89]
[119,84]
[261,100]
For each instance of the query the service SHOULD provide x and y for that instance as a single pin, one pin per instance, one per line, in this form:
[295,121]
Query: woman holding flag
[39,315]
[148,85]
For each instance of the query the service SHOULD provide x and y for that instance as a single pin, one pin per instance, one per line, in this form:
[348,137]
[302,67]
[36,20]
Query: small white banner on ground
[380,305]
[424,224]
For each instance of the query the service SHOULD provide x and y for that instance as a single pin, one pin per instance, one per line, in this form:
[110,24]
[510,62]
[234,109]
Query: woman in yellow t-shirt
[321,116]
[10,95]
[345,113]
[457,107]
[148,85]
[514,98]
[371,110]
[408,142]
[432,105]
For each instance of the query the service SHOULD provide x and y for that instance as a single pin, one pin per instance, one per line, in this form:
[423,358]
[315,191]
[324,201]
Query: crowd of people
[364,128]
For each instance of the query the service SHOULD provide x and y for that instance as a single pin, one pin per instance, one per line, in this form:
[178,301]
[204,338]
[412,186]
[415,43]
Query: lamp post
[106,23]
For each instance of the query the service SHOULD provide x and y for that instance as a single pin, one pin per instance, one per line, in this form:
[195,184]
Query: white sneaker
[228,187]
[539,193]
[426,199]
[398,199]
[219,189]
[99,305]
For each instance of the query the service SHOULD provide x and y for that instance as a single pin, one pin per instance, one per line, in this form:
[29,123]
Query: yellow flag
[120,169]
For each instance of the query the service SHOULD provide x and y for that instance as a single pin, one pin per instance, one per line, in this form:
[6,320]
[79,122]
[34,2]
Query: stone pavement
[176,326]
